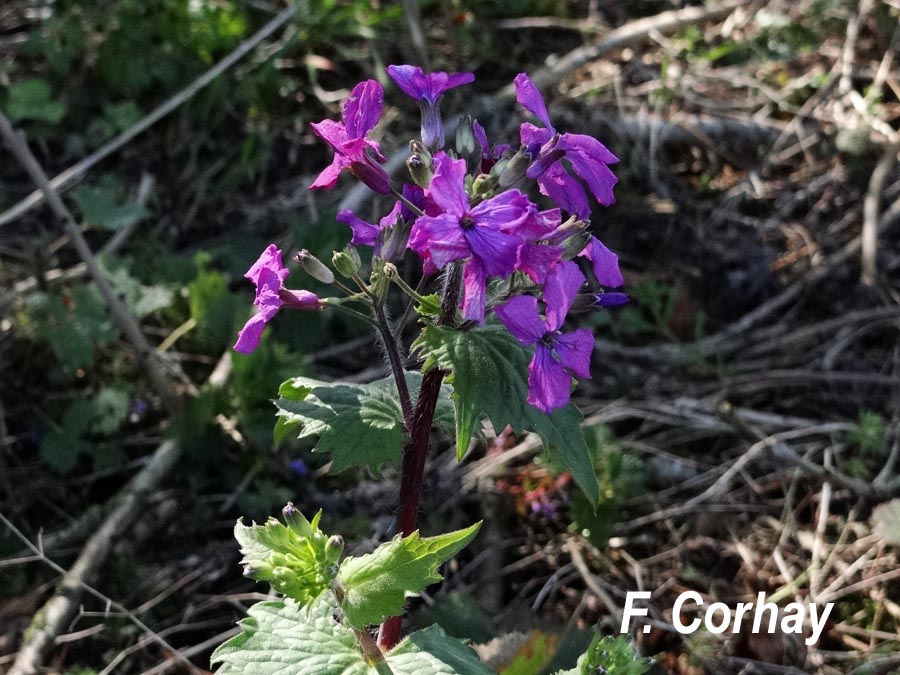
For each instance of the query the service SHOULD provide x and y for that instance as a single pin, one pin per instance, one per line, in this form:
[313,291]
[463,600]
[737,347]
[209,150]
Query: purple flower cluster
[481,220]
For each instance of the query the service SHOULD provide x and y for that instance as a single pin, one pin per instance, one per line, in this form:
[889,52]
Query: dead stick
[871,215]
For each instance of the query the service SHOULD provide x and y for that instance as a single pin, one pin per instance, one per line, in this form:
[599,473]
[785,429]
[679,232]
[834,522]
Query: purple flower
[268,274]
[453,229]
[557,356]
[587,156]
[489,155]
[390,235]
[604,262]
[427,89]
[537,255]
[352,151]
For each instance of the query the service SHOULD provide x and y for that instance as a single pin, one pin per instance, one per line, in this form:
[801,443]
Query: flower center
[467,222]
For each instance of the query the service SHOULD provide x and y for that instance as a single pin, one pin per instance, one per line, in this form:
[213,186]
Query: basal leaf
[376,585]
[489,373]
[360,424]
[32,99]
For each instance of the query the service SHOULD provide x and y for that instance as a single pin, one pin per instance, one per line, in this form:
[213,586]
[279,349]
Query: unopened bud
[296,520]
[515,169]
[484,185]
[333,548]
[347,262]
[394,240]
[420,164]
[610,299]
[314,267]
[575,243]
[465,138]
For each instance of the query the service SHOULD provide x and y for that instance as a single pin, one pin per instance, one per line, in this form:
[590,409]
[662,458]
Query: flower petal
[249,335]
[565,190]
[589,158]
[333,133]
[473,291]
[533,137]
[269,259]
[363,108]
[404,77]
[364,233]
[604,262]
[536,260]
[563,283]
[506,212]
[329,176]
[521,318]
[549,384]
[447,191]
[439,239]
[268,294]
[529,97]
[574,351]
[494,249]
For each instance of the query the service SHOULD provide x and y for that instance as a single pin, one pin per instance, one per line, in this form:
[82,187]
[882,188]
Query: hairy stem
[412,470]
[393,353]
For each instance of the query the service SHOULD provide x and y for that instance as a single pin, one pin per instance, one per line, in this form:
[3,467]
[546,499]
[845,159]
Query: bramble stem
[412,469]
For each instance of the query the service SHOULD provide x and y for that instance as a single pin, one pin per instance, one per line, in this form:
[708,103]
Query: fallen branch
[871,213]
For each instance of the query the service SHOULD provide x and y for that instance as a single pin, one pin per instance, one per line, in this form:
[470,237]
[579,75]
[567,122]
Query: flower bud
[333,548]
[347,262]
[484,185]
[465,138]
[394,240]
[314,267]
[575,243]
[515,168]
[420,164]
[610,299]
[296,520]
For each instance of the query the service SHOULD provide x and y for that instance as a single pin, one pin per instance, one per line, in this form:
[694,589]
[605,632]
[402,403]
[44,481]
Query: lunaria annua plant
[494,345]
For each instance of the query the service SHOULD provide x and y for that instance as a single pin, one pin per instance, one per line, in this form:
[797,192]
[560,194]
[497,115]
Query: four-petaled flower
[453,229]
[557,356]
[587,156]
[427,89]
[268,274]
[352,151]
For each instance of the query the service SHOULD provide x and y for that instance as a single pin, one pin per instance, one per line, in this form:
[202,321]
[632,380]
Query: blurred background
[744,409]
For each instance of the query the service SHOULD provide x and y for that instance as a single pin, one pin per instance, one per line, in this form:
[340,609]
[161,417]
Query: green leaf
[432,652]
[101,206]
[283,638]
[295,559]
[489,374]
[376,585]
[611,655]
[360,424]
[213,307]
[31,100]
[109,410]
[74,322]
